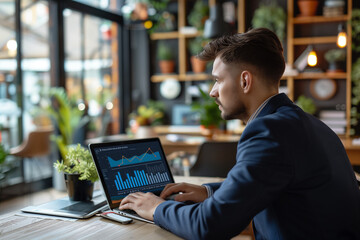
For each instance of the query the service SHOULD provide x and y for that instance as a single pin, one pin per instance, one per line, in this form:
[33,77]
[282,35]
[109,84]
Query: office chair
[214,159]
[37,144]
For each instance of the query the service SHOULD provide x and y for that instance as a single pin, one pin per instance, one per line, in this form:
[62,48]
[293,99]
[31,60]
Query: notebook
[130,166]
[65,208]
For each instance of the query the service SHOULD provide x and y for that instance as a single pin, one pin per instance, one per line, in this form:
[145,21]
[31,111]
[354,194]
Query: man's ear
[246,81]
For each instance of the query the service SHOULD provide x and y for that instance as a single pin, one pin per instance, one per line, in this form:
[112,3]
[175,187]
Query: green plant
[164,52]
[196,45]
[306,104]
[198,14]
[78,161]
[355,29]
[152,114]
[66,116]
[355,73]
[355,100]
[335,55]
[3,153]
[271,16]
[208,110]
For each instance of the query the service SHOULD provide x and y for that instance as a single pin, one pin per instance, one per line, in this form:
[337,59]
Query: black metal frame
[57,72]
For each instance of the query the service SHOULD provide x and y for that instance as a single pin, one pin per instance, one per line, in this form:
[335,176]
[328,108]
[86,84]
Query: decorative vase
[145,132]
[307,8]
[167,66]
[198,66]
[78,190]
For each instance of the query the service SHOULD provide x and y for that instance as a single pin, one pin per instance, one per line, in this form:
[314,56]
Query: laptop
[130,166]
[75,209]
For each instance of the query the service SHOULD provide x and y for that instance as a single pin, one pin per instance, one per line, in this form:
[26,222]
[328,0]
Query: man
[292,175]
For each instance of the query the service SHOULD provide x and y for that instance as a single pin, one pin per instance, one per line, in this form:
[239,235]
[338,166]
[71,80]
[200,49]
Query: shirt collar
[259,109]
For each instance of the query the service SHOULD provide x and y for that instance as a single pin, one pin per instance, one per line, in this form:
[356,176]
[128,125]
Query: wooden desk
[20,227]
[353,151]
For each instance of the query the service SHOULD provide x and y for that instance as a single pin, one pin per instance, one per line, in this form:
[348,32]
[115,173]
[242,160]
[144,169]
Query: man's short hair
[259,47]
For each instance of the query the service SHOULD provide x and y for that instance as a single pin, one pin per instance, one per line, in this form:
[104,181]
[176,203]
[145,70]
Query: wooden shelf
[310,75]
[163,77]
[320,19]
[164,35]
[181,77]
[195,77]
[304,25]
[314,40]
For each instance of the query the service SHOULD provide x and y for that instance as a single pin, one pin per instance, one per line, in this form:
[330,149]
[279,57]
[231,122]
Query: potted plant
[335,57]
[198,15]
[80,173]
[4,168]
[195,47]
[210,115]
[66,117]
[166,58]
[307,8]
[145,117]
[271,16]
[306,104]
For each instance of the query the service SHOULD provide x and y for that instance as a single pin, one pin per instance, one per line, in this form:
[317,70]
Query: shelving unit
[183,73]
[294,42]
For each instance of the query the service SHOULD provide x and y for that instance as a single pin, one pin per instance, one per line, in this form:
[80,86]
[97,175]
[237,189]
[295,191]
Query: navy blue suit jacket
[292,177]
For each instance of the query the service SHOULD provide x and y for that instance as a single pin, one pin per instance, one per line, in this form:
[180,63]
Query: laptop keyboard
[129,211]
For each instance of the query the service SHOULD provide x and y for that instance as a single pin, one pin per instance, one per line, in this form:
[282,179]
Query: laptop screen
[131,166]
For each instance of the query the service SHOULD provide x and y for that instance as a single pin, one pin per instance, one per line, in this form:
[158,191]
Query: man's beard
[239,113]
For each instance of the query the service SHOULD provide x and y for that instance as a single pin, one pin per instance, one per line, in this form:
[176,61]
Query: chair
[214,159]
[37,144]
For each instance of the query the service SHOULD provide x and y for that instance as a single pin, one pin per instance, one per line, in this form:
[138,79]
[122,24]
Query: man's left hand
[143,204]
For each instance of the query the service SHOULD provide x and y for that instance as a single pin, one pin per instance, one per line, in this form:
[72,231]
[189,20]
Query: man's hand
[190,192]
[143,204]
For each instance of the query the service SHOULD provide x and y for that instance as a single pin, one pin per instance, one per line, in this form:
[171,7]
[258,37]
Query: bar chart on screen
[139,179]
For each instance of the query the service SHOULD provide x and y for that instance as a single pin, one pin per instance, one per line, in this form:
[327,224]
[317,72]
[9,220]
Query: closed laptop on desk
[130,166]
[65,208]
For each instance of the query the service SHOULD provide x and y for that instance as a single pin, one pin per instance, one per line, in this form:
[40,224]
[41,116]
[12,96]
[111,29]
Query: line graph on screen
[147,156]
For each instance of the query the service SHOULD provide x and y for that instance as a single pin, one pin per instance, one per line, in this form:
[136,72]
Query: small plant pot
[78,190]
[307,7]
[167,66]
[208,131]
[335,67]
[197,65]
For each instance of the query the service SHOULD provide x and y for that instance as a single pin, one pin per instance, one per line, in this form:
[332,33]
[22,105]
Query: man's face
[227,90]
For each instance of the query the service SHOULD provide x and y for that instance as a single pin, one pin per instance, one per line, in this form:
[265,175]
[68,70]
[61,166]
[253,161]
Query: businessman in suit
[292,175]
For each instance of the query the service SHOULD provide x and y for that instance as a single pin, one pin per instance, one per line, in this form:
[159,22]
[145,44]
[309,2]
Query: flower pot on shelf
[307,8]
[197,65]
[145,132]
[167,66]
[335,67]
[78,190]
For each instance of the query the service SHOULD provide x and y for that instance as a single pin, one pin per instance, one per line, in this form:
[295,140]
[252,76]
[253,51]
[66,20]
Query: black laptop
[130,166]
[64,207]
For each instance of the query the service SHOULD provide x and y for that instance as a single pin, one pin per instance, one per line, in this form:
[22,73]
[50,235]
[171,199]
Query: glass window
[35,79]
[10,171]
[103,4]
[89,62]
[26,107]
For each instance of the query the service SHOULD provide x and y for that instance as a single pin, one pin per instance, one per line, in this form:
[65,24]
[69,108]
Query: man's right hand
[190,192]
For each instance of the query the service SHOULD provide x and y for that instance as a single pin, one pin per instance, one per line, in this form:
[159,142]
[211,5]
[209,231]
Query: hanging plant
[355,74]
[271,16]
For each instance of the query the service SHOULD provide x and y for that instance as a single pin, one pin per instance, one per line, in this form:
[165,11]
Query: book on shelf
[336,120]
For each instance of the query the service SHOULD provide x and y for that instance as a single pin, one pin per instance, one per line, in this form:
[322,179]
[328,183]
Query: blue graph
[139,178]
[148,156]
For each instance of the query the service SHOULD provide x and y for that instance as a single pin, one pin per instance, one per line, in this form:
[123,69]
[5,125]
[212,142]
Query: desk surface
[19,227]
